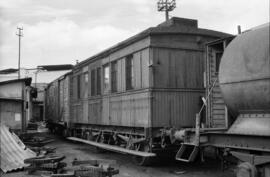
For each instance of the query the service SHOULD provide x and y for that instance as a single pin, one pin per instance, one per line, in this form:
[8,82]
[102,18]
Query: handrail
[198,118]
[208,96]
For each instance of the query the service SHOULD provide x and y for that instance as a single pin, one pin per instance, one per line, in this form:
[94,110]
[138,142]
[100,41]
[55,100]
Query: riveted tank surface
[244,73]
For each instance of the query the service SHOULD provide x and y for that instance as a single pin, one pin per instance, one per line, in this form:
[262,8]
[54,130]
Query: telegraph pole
[167,6]
[19,34]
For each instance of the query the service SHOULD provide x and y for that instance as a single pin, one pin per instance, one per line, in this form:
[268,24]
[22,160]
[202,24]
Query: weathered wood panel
[216,109]
[58,96]
[145,68]
[181,41]
[52,102]
[122,110]
[63,99]
[11,113]
[11,90]
[176,108]
[178,68]
[132,48]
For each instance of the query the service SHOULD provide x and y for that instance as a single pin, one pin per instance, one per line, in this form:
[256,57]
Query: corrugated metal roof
[13,151]
[26,80]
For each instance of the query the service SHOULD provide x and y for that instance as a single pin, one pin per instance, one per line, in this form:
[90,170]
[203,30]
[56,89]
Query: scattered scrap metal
[15,155]
[93,168]
[35,141]
[96,168]
[43,150]
[46,163]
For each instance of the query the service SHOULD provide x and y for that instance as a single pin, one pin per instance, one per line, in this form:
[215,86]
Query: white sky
[63,31]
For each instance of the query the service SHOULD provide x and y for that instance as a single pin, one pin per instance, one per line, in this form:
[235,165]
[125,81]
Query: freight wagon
[57,103]
[131,97]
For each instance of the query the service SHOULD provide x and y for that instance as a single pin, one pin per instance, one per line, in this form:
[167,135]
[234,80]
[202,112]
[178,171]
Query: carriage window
[114,76]
[93,82]
[78,86]
[106,79]
[86,77]
[218,58]
[85,86]
[129,72]
[98,81]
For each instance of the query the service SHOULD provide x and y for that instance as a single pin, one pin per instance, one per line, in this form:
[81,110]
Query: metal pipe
[239,29]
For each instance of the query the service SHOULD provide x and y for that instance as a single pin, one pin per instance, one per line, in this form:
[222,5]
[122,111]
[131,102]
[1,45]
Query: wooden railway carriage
[127,94]
[57,101]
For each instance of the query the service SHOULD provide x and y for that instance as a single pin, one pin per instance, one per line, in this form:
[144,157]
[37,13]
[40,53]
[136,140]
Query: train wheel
[246,169]
[143,161]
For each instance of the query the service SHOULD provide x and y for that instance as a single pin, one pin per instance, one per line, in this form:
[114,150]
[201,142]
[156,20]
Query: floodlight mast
[167,6]
[19,34]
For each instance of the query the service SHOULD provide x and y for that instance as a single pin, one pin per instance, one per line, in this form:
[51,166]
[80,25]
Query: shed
[15,103]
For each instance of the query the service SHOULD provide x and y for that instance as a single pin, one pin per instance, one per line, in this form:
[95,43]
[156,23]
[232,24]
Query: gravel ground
[171,168]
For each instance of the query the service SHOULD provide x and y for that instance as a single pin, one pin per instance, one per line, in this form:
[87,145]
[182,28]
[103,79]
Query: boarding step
[187,152]
[113,148]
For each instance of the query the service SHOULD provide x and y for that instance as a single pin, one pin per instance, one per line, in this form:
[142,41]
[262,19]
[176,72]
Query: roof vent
[181,22]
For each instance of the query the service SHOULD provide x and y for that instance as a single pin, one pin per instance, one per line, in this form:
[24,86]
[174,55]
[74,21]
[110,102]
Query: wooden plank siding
[167,72]
[52,102]
[130,110]
[64,99]
[58,95]
[216,104]
[178,86]
[178,68]
[217,115]
[120,108]
[175,108]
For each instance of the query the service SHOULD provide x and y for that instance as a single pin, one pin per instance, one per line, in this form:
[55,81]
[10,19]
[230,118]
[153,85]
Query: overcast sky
[63,31]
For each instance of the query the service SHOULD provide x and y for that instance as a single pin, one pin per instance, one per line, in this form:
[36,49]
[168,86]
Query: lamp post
[19,34]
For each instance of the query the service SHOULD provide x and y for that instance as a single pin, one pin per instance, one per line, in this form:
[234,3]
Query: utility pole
[19,62]
[167,6]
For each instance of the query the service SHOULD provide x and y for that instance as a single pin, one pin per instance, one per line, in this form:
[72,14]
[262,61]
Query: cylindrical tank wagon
[245,85]
[245,72]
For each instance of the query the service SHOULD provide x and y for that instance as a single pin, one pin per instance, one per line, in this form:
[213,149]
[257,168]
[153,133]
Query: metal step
[187,152]
[113,148]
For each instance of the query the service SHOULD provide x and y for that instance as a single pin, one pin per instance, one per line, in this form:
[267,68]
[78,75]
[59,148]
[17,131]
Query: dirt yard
[127,168]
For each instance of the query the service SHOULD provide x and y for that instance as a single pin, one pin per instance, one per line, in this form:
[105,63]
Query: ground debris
[35,141]
[179,172]
[93,168]
[45,163]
